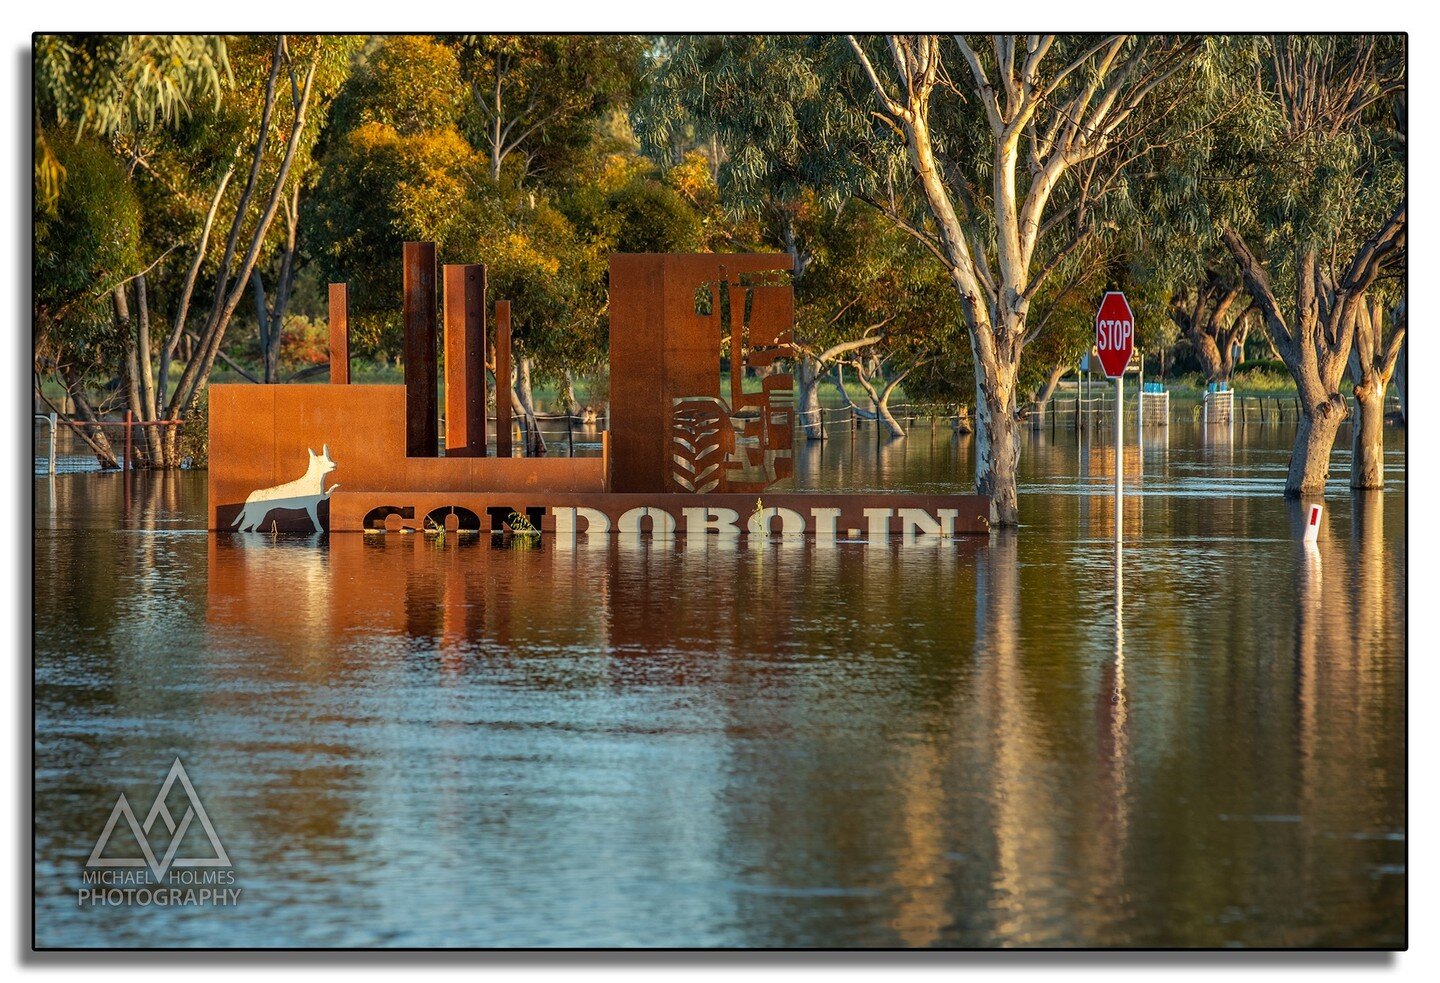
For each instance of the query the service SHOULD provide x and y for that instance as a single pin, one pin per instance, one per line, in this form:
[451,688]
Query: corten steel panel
[348,509]
[465,361]
[261,437]
[638,408]
[242,447]
[660,345]
[503,423]
[772,324]
[363,426]
[340,334]
[422,427]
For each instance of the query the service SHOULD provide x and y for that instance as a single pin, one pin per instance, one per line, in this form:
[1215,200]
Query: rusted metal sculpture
[422,422]
[670,317]
[681,456]
[465,361]
[339,334]
[504,423]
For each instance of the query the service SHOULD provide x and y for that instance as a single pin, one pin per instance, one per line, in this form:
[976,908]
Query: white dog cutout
[305,492]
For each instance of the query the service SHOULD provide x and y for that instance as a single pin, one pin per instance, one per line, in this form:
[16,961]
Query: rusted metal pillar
[340,334]
[465,361]
[503,423]
[422,427]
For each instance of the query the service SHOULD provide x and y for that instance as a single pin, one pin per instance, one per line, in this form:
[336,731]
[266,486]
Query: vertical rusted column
[422,428]
[340,334]
[465,361]
[503,423]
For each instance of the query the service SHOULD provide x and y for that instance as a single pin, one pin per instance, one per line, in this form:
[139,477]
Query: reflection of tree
[1027,849]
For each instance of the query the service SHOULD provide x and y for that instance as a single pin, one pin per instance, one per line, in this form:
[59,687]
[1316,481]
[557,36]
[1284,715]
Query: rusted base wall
[261,437]
[399,510]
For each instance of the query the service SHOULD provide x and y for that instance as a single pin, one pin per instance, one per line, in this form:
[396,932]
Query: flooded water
[412,741]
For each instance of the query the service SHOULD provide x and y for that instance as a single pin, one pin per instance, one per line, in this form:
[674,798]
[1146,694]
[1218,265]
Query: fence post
[54,421]
[569,432]
[129,446]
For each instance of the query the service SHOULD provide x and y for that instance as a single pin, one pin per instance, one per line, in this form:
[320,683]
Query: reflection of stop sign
[1114,333]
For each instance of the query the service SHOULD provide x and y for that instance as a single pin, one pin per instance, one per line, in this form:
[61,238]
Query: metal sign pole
[1119,455]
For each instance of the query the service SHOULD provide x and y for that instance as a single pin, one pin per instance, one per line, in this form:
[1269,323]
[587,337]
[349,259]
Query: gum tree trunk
[807,382]
[1367,468]
[1042,399]
[997,448]
[1204,315]
[524,401]
[1044,119]
[1402,366]
[1310,456]
[1374,359]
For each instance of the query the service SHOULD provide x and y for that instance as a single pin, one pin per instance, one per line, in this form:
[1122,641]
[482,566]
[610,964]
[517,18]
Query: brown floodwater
[434,741]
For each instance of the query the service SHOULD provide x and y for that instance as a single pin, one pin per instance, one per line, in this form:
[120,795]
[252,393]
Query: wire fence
[1099,409]
[60,448]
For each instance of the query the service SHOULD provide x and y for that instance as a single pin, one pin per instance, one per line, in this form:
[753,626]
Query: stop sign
[1114,333]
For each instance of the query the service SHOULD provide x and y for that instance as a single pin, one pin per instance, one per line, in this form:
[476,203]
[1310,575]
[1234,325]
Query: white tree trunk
[1367,464]
[997,446]
[807,381]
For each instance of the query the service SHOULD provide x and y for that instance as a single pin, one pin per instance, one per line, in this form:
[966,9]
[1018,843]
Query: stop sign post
[1114,334]
[1115,343]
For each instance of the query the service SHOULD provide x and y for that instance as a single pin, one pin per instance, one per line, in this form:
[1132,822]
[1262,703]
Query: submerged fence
[76,455]
[58,450]
[1098,409]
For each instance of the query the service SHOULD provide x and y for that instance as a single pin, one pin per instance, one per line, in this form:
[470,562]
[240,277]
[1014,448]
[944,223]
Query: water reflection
[1024,739]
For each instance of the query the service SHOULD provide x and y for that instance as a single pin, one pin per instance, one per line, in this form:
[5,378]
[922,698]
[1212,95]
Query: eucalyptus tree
[105,85]
[89,91]
[1015,144]
[1215,316]
[1311,206]
[534,98]
[86,240]
[210,184]
[1001,158]
[747,107]
[1380,333]
[409,159]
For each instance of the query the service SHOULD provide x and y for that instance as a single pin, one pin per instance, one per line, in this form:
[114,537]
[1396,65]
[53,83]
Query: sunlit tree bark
[1373,358]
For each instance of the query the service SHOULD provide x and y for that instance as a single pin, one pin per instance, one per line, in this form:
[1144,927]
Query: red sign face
[1114,333]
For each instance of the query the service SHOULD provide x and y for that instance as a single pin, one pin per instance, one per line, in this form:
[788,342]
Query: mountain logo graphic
[193,811]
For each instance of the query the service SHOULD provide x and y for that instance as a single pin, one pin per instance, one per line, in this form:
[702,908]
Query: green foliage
[109,84]
[379,189]
[535,98]
[86,242]
[652,218]
[382,189]
[409,83]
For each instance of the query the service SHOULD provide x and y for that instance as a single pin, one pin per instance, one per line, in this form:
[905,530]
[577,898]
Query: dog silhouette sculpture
[305,492]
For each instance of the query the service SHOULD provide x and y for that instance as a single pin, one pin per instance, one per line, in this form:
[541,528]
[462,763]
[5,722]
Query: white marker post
[1312,525]
[1115,343]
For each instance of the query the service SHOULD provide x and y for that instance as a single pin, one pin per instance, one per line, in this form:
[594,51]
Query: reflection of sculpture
[305,492]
